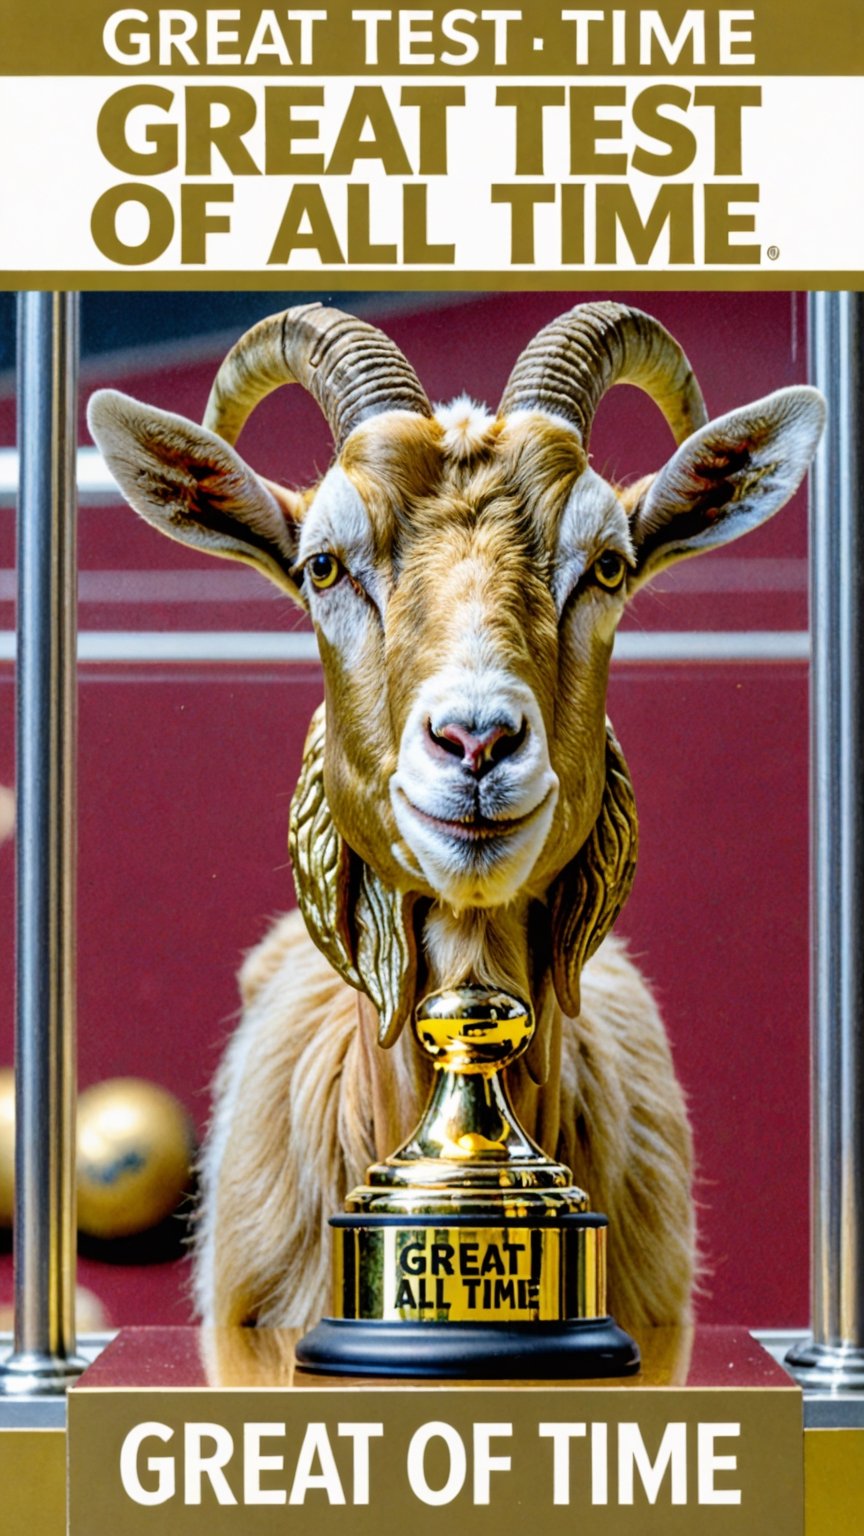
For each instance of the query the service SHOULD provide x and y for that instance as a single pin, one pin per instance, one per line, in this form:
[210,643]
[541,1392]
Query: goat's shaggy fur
[302,1108]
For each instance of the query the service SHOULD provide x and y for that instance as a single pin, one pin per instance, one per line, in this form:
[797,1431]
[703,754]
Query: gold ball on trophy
[473,1029]
[7,1146]
[135,1145]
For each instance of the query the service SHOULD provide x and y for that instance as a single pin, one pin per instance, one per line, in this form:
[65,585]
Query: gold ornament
[135,1146]
[590,891]
[364,928]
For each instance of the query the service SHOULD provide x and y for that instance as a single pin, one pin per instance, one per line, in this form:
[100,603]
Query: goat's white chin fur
[483,870]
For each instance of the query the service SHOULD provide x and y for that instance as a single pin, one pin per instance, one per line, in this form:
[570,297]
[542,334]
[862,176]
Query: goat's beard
[465,873]
[368,927]
[487,947]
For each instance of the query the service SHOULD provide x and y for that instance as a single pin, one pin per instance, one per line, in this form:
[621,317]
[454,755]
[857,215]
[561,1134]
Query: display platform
[222,1381]
[220,1431]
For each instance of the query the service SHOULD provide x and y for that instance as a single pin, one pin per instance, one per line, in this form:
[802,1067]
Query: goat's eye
[324,570]
[609,570]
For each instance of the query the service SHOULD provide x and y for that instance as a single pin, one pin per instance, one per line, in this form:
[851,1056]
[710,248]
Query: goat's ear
[727,478]
[587,896]
[189,484]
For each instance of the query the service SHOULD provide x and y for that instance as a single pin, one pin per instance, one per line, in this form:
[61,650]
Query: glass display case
[197,682]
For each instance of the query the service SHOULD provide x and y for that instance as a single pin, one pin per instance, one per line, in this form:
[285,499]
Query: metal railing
[94,481]
[834,1356]
[44,1357]
[236,645]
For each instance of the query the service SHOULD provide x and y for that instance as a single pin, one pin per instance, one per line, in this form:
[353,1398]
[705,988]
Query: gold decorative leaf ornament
[364,928]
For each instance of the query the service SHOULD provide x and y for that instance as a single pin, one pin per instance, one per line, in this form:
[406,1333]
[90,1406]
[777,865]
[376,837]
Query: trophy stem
[469,1117]
[469,1152]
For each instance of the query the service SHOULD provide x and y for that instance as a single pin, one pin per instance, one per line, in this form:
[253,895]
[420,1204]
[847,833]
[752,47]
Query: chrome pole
[833,1357]
[44,1358]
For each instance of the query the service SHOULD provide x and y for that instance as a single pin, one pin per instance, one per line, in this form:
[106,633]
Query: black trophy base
[588,1348]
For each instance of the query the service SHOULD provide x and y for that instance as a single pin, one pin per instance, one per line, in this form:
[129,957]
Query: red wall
[186,774]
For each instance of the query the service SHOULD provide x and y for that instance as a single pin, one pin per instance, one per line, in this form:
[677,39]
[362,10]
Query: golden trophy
[469,1252]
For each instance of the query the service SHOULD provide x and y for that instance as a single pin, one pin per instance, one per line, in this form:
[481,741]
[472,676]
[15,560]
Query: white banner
[791,200]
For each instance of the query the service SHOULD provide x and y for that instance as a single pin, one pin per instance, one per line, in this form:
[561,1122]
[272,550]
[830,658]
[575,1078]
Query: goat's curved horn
[353,370]
[572,362]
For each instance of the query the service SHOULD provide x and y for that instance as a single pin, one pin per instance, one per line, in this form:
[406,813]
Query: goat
[464,810]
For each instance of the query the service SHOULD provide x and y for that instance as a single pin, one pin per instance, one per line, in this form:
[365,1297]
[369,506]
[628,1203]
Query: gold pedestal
[469,1251]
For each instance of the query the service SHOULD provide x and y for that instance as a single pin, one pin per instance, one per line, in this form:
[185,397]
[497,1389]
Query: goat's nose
[478,748]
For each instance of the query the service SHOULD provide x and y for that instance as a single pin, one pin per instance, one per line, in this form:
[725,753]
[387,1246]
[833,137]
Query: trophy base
[576,1349]
[467,1295]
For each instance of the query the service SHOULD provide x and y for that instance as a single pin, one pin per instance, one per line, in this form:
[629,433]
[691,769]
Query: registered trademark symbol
[773,252]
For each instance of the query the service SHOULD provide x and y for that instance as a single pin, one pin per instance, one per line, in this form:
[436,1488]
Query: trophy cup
[469,1252]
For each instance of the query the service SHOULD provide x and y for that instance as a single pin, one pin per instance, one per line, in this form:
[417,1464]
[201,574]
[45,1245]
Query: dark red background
[186,773]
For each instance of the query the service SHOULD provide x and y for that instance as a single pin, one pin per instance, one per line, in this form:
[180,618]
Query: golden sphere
[135,1145]
[7,1146]
[470,1028]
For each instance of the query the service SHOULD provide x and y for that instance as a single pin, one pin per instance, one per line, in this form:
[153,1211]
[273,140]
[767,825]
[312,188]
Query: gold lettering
[433,103]
[419,251]
[728,102]
[202,136]
[196,220]
[528,102]
[369,107]
[721,222]
[680,140]
[160,227]
[282,128]
[306,201]
[616,207]
[523,199]
[112,128]
[585,129]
